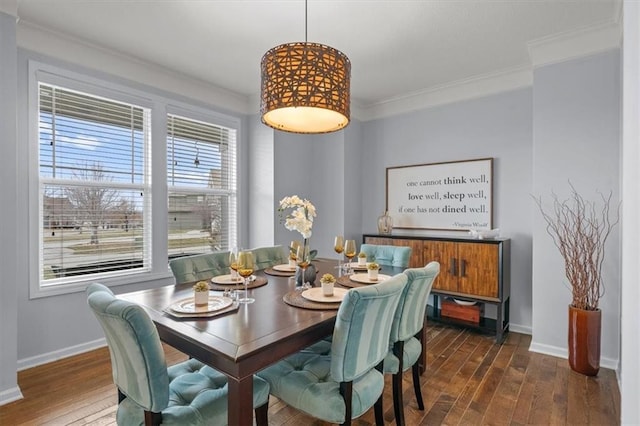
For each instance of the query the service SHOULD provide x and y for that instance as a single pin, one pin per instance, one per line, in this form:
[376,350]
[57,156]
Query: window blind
[201,173]
[94,185]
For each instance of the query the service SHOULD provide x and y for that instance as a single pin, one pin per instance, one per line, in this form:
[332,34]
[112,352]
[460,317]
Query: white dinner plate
[315,295]
[364,278]
[188,305]
[284,268]
[226,279]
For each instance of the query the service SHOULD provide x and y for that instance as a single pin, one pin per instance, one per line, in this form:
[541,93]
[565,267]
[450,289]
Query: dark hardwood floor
[469,381]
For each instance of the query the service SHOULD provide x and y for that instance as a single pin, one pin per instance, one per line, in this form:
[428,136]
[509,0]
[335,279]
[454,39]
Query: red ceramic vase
[584,341]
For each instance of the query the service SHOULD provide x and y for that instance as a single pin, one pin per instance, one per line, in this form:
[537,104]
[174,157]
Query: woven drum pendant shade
[305,88]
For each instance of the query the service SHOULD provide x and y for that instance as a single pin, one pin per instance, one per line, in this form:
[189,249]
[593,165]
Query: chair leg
[152,419]
[261,414]
[346,390]
[396,381]
[378,405]
[416,385]
[398,404]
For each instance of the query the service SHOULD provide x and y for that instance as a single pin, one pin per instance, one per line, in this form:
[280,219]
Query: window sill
[80,284]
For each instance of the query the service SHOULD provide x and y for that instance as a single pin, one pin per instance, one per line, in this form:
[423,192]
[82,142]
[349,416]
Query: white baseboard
[564,353]
[10,395]
[34,361]
[522,329]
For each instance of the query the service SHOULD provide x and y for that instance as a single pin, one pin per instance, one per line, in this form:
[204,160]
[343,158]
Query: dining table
[243,341]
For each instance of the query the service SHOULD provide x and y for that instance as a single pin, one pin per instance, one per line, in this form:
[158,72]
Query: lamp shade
[305,88]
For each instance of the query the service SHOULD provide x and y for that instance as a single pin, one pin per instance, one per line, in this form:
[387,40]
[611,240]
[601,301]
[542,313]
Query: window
[201,175]
[94,186]
[113,171]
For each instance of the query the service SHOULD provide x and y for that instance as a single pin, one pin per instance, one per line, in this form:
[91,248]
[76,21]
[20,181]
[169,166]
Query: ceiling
[397,48]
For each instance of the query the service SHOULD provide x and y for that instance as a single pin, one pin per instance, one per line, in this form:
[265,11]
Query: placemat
[271,271]
[258,282]
[294,298]
[232,308]
[346,282]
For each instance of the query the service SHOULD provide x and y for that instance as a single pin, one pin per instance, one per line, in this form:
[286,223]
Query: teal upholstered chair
[189,393]
[406,334]
[266,257]
[344,385]
[200,266]
[396,256]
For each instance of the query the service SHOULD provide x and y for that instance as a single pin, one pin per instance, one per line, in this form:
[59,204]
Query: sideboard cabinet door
[478,269]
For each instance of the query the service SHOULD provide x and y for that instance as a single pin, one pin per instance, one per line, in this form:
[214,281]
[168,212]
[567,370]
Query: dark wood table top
[243,342]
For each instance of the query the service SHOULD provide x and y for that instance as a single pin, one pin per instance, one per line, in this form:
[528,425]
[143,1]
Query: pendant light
[305,87]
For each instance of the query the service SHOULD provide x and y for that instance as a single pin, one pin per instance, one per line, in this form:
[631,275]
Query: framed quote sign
[456,195]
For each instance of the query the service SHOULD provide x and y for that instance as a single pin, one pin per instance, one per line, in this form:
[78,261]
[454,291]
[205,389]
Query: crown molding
[466,89]
[544,51]
[88,55]
[10,7]
[575,44]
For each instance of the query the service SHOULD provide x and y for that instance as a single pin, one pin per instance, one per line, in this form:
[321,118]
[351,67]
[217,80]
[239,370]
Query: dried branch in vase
[579,230]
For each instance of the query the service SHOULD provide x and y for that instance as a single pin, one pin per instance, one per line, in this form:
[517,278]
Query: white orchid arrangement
[301,217]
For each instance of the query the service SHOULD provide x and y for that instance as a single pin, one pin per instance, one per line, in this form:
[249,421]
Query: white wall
[497,126]
[630,317]
[576,128]
[8,213]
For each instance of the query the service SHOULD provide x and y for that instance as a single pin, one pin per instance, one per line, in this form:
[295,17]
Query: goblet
[233,264]
[303,259]
[338,247]
[293,251]
[350,251]
[245,269]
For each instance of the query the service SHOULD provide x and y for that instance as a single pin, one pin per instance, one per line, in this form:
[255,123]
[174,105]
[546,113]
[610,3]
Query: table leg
[240,403]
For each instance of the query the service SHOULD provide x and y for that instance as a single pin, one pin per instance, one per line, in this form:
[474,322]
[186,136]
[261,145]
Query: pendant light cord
[305,21]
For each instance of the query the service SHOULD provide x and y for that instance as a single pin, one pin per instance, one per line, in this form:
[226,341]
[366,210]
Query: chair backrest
[266,257]
[199,266]
[396,256]
[409,317]
[363,326]
[137,358]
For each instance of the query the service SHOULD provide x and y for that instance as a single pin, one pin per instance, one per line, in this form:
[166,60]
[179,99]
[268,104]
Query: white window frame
[160,106]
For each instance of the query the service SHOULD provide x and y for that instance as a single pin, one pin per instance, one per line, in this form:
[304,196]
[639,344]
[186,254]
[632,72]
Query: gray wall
[576,116]
[53,327]
[496,126]
[326,169]
[261,183]
[8,213]
[574,103]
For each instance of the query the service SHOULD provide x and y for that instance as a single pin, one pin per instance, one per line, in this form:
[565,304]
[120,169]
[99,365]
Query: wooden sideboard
[470,270]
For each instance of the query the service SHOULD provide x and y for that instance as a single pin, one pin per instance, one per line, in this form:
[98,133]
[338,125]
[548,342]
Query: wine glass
[350,251]
[233,264]
[303,259]
[245,269]
[338,247]
[293,251]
